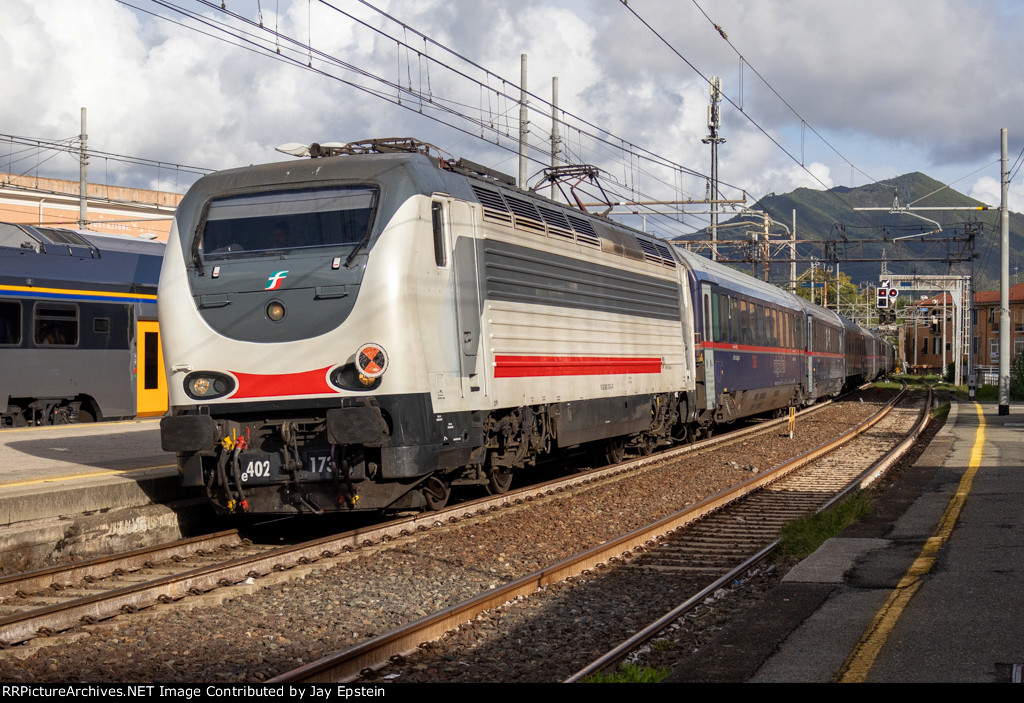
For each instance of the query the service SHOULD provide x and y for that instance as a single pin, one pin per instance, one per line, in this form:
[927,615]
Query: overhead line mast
[714,122]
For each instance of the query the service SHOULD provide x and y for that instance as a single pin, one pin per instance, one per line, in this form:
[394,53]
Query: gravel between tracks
[250,634]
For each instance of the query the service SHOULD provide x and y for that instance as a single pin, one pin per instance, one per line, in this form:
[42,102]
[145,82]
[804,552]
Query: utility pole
[792,256]
[83,176]
[714,122]
[1004,281]
[556,139]
[524,125]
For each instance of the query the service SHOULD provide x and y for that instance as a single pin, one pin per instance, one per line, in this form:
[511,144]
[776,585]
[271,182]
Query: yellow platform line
[85,474]
[863,656]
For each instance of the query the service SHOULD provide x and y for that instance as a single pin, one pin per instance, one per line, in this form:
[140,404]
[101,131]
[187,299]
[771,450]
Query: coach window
[729,314]
[734,320]
[55,324]
[10,323]
[716,329]
[437,220]
[707,317]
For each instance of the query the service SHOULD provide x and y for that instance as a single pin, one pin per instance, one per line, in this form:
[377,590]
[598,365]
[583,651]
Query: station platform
[51,471]
[926,589]
[63,488]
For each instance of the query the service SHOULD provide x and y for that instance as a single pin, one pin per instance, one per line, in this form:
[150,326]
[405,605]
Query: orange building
[930,339]
[985,319]
[51,202]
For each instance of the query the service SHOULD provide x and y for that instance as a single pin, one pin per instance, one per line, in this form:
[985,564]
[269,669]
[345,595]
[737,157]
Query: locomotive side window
[261,224]
[10,323]
[55,324]
[437,220]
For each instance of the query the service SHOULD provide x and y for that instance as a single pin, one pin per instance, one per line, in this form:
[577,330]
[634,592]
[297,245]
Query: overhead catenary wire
[287,49]
[825,187]
[804,124]
[481,124]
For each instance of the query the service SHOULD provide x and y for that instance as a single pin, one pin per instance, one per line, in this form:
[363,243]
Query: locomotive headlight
[275,311]
[204,385]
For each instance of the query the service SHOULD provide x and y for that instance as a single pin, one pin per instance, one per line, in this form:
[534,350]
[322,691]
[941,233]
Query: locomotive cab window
[55,324]
[265,224]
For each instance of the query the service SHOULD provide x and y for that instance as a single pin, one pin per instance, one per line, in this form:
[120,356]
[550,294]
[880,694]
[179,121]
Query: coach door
[711,327]
[151,388]
[809,346]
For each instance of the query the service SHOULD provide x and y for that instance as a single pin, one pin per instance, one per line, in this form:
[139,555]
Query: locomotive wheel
[436,493]
[615,450]
[647,445]
[499,480]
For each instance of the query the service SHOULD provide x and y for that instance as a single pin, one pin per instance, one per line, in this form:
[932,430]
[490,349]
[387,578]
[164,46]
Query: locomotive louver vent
[585,233]
[494,205]
[655,253]
[526,214]
[666,255]
[522,208]
[558,225]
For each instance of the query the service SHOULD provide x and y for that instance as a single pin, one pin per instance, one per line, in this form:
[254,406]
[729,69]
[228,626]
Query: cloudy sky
[858,90]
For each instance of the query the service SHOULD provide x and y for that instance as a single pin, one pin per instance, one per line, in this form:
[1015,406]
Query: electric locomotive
[366,331]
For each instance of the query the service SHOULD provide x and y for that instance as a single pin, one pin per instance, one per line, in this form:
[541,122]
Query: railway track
[733,530]
[463,556]
[55,599]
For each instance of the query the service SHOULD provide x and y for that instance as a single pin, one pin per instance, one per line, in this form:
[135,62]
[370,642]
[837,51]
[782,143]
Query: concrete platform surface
[936,594]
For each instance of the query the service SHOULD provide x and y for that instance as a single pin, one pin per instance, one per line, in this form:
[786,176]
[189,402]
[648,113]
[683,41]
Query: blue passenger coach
[79,339]
[750,348]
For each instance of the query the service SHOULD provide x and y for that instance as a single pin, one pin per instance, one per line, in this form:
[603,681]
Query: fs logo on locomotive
[275,280]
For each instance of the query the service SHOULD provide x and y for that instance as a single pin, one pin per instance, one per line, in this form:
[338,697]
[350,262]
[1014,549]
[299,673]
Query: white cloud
[895,87]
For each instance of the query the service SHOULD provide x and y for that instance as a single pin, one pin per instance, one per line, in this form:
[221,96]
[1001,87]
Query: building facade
[52,202]
[929,332]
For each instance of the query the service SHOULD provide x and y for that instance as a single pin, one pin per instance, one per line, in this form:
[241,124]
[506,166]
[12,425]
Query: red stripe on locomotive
[256,385]
[527,366]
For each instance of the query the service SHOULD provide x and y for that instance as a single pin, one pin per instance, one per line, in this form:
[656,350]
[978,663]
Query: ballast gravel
[253,633]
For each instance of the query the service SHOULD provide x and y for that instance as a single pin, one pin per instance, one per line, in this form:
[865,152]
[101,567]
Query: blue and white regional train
[79,340]
[365,331]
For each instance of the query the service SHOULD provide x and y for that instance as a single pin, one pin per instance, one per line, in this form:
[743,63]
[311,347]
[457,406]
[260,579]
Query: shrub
[1017,378]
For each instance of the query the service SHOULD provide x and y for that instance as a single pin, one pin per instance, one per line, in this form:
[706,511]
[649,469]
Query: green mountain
[829,217]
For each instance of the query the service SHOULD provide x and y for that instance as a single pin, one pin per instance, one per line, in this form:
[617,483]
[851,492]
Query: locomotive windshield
[267,223]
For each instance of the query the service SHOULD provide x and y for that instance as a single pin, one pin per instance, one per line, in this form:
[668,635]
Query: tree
[1017,378]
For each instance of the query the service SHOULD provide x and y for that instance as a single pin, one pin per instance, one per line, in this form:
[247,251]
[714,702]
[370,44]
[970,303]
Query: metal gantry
[958,290]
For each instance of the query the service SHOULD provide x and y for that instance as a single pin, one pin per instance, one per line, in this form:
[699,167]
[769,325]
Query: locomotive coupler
[342,471]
